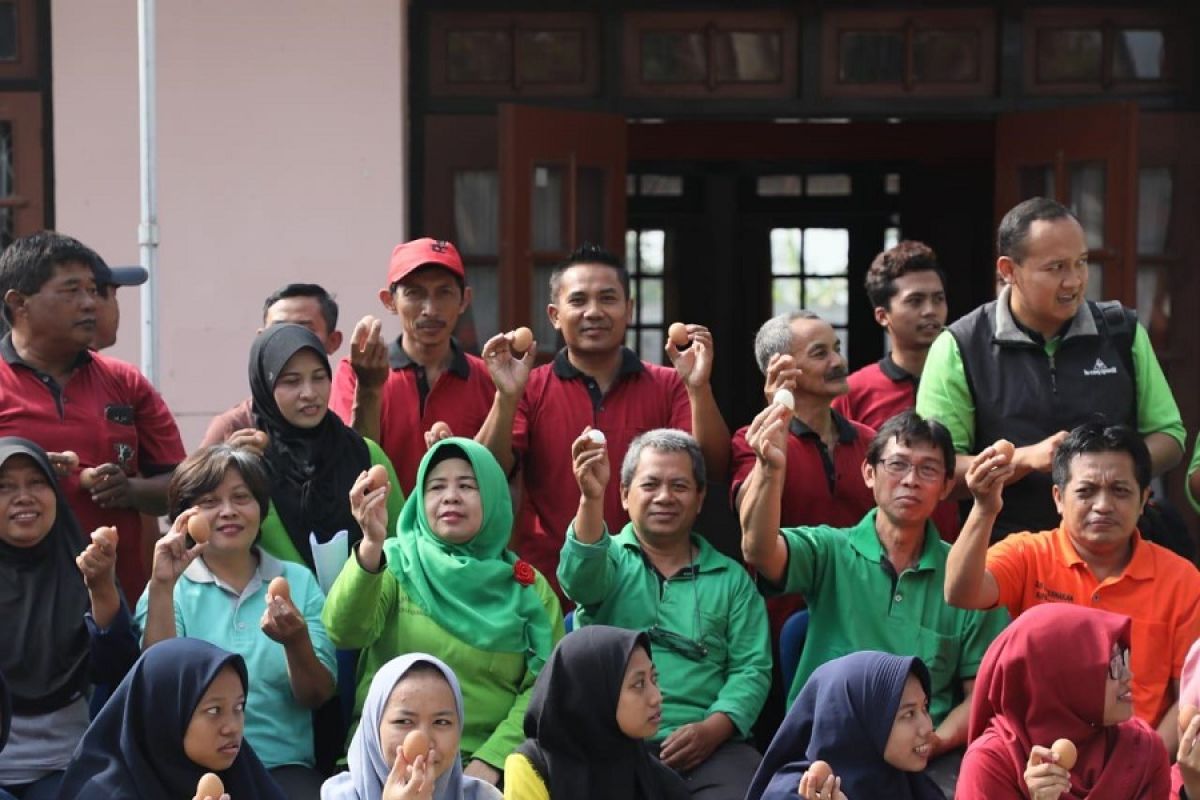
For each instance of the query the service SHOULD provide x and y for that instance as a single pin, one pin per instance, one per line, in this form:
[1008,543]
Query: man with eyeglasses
[1041,359]
[706,621]
[1095,557]
[876,585]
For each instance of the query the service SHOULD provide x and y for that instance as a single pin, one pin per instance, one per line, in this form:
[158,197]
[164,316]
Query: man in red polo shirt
[595,380]
[394,394]
[907,289]
[56,392]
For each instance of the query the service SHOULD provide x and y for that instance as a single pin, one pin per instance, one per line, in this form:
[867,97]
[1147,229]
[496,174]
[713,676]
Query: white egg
[596,436]
[785,398]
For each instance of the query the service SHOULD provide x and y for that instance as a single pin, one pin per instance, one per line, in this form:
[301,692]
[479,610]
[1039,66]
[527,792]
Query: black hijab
[574,741]
[134,747]
[5,713]
[844,715]
[311,469]
[44,642]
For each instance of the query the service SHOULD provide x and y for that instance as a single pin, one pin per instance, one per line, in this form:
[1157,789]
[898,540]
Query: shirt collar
[9,351]
[846,432]
[398,359]
[268,568]
[865,540]
[893,371]
[1139,568]
[1009,329]
[707,557]
[564,369]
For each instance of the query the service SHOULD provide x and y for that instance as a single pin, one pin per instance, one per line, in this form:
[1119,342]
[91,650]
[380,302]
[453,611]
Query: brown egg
[678,334]
[261,440]
[1186,712]
[1005,448]
[278,587]
[818,773]
[87,478]
[105,535]
[522,338]
[198,528]
[376,476]
[72,459]
[416,743]
[1066,752]
[209,785]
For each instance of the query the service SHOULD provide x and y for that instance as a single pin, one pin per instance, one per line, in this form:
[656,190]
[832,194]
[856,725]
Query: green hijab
[470,589]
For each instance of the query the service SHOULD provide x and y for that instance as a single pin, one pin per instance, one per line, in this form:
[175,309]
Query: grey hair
[664,440]
[775,336]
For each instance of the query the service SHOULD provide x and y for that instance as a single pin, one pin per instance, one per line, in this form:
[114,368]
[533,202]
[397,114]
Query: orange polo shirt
[1158,590]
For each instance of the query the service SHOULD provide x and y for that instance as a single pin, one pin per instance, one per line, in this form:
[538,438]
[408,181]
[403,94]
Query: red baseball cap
[422,253]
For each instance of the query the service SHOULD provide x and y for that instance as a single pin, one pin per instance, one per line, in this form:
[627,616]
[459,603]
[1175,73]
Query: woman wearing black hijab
[312,457]
[176,716]
[593,704]
[59,630]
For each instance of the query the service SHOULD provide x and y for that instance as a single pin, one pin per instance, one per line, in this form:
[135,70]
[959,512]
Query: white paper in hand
[329,557]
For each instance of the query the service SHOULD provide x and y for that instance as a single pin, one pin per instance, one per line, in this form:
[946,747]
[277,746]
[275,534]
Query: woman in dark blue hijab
[862,716]
[143,743]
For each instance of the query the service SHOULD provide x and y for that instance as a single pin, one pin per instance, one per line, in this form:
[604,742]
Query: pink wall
[281,158]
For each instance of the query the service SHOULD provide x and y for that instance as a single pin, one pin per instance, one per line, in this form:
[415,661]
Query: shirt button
[1096,597]
[241,626]
[898,597]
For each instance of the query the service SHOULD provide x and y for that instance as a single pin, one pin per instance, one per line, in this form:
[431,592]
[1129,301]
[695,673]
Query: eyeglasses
[927,471]
[680,645]
[1119,665]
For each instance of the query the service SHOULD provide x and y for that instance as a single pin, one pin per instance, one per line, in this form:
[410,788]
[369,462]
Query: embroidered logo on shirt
[1100,368]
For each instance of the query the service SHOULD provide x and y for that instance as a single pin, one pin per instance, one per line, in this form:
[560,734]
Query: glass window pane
[546,212]
[1140,55]
[785,295]
[589,205]
[1155,186]
[779,186]
[1067,55]
[1087,199]
[826,251]
[748,56]
[662,185]
[650,301]
[631,185]
[785,251]
[1095,288]
[1036,181]
[891,238]
[8,32]
[844,339]
[651,345]
[871,57]
[1152,293]
[539,292]
[480,56]
[827,185]
[829,297]
[477,212]
[550,56]
[631,252]
[484,311]
[674,57]
[6,183]
[946,56]
[653,252]
[891,183]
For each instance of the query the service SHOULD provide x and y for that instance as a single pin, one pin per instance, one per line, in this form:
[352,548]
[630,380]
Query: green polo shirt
[945,396]
[1192,467]
[713,602]
[857,602]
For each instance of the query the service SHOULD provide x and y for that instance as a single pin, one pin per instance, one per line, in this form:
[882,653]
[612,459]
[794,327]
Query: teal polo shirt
[858,602]
[712,602]
[277,727]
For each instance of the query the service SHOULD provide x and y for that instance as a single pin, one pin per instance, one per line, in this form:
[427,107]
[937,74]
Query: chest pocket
[715,636]
[940,654]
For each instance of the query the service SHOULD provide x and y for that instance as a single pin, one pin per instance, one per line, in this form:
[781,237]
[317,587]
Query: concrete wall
[282,129]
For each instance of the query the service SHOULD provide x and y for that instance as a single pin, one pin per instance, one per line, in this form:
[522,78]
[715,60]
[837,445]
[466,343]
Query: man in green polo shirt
[878,585]
[707,623]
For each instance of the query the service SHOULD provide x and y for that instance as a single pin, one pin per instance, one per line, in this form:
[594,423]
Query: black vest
[1024,395]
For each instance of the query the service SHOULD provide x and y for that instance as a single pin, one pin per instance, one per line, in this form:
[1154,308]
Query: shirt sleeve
[113,649]
[681,404]
[749,676]
[1191,470]
[358,605]
[806,552]
[982,627]
[314,603]
[395,498]
[159,443]
[944,394]
[142,610]
[1187,625]
[521,780]
[341,395]
[1189,688]
[1006,560]
[522,419]
[1157,411]
[987,772]
[586,572]
[742,465]
[221,427]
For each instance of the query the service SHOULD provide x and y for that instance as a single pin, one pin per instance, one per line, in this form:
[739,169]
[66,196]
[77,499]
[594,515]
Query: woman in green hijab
[447,585]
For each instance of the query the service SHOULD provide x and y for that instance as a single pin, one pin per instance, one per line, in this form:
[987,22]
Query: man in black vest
[1040,360]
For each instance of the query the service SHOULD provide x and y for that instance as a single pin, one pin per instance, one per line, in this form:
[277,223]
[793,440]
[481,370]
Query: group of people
[422,573]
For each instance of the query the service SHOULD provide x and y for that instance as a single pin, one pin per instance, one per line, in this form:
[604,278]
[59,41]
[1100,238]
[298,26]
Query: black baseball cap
[118,276]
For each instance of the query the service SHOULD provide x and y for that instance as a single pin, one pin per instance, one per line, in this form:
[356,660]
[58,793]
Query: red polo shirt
[559,402]
[879,392]
[107,413]
[461,398]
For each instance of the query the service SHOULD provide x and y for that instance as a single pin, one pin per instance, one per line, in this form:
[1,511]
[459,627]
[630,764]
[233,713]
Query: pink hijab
[1044,679]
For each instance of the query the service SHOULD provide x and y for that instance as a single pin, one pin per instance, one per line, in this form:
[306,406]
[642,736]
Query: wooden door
[562,183]
[22,187]
[1086,158]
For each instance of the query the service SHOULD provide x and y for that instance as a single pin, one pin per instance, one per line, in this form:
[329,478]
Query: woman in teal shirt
[447,585]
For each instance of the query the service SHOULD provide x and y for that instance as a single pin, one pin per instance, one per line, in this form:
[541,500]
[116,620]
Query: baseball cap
[421,253]
[118,276]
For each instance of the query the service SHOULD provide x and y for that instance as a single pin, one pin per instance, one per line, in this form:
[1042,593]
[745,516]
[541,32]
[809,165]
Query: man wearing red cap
[395,393]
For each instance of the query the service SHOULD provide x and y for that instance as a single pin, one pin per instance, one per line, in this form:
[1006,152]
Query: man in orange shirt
[1095,558]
